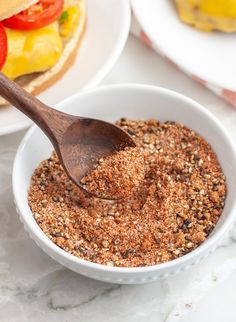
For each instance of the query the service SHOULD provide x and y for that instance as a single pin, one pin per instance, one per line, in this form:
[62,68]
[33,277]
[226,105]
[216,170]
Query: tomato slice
[37,16]
[3,45]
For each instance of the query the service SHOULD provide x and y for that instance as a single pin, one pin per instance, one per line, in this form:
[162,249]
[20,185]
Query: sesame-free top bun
[12,7]
[38,82]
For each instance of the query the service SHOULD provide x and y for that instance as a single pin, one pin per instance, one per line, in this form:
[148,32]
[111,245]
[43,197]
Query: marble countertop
[35,288]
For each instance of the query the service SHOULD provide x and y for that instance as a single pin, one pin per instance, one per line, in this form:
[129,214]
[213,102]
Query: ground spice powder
[116,176]
[171,213]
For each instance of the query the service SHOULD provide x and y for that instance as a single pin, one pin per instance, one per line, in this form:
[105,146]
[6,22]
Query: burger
[39,40]
[208,15]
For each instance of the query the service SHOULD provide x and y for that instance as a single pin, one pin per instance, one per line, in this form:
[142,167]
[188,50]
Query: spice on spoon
[116,176]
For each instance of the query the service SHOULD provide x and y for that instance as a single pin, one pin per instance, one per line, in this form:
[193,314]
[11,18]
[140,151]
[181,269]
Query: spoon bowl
[85,141]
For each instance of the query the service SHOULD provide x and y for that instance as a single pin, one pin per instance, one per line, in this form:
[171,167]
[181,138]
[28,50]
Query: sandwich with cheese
[39,40]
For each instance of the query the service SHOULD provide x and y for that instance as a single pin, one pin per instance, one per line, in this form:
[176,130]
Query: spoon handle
[48,119]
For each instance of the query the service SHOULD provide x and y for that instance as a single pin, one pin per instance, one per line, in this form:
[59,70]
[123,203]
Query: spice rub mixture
[172,212]
[116,176]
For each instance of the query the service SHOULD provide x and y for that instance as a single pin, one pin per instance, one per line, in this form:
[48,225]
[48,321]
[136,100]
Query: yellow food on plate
[208,15]
[32,51]
[39,40]
[38,50]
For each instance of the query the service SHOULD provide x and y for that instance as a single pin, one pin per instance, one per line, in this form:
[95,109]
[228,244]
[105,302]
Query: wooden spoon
[78,141]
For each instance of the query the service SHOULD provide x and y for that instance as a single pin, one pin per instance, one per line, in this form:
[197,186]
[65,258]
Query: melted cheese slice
[32,51]
[217,8]
[208,15]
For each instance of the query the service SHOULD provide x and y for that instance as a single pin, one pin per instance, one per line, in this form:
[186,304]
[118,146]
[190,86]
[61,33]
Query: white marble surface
[35,288]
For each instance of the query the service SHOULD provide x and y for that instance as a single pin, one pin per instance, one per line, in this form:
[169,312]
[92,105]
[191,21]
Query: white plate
[209,56]
[108,23]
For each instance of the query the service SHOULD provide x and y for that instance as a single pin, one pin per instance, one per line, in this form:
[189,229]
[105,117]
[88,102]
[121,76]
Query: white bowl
[136,102]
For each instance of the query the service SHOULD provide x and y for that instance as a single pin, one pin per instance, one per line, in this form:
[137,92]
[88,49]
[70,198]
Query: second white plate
[107,29]
[208,56]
